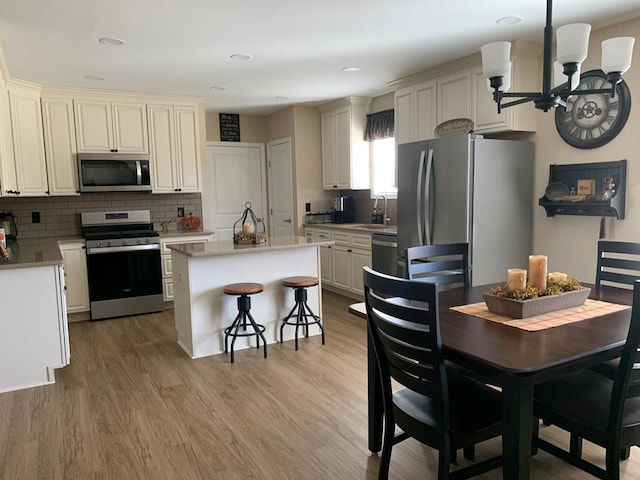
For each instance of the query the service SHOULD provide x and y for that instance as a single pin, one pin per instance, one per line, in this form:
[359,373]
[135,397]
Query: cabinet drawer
[361,241]
[167,266]
[182,239]
[167,289]
[343,238]
[323,235]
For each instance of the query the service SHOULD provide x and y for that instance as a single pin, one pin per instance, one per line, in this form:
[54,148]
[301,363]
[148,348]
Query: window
[380,132]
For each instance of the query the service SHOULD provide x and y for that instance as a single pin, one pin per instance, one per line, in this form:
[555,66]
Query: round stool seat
[301,281]
[243,288]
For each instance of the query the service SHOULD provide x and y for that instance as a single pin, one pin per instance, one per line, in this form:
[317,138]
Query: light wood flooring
[132,405]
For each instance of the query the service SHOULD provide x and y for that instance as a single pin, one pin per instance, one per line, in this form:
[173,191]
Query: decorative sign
[229,127]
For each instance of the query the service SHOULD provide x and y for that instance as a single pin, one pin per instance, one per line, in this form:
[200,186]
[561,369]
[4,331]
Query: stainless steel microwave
[113,172]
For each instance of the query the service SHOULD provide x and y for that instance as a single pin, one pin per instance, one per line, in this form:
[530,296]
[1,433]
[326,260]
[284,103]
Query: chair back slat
[440,264]
[402,320]
[618,263]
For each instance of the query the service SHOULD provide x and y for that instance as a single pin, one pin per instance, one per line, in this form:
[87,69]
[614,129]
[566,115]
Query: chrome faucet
[385,219]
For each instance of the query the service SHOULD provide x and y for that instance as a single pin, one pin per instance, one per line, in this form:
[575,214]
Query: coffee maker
[8,222]
[344,210]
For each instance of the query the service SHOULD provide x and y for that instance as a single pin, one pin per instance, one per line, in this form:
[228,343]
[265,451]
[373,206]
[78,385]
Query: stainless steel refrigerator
[468,189]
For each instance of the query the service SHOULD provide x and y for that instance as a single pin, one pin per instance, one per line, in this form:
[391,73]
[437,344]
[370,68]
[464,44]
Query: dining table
[513,359]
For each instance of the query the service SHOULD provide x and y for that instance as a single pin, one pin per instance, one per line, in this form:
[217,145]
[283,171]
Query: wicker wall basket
[535,306]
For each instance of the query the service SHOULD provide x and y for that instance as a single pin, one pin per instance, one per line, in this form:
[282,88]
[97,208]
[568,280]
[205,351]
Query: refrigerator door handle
[419,199]
[428,200]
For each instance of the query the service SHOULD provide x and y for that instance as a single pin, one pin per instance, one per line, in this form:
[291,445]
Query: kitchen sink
[374,226]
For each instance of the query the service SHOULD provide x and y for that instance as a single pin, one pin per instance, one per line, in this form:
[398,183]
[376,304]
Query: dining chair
[437,407]
[618,263]
[595,407]
[446,264]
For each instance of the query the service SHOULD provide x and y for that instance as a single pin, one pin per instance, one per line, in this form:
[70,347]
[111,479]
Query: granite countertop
[178,233]
[364,228]
[227,247]
[44,253]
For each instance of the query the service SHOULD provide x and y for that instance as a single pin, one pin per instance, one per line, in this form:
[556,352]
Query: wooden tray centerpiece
[542,294]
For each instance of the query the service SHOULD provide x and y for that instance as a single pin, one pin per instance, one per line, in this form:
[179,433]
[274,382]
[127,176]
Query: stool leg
[228,330]
[242,320]
[284,321]
[317,320]
[258,334]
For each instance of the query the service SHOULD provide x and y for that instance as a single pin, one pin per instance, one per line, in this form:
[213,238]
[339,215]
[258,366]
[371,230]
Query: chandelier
[572,45]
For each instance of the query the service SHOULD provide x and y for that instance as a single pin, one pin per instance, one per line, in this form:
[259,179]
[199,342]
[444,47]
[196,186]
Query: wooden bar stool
[243,290]
[301,315]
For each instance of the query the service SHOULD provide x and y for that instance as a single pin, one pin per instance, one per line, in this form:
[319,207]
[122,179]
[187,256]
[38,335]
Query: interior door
[280,188]
[235,175]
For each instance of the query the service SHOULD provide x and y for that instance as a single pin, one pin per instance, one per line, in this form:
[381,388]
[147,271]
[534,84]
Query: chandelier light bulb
[506,82]
[496,59]
[573,42]
[559,77]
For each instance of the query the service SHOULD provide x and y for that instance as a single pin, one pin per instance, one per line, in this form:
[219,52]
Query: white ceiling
[298,48]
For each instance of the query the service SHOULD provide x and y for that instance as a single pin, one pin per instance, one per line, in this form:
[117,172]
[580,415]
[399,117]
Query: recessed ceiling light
[113,42]
[219,88]
[241,56]
[96,78]
[281,97]
[350,69]
[511,20]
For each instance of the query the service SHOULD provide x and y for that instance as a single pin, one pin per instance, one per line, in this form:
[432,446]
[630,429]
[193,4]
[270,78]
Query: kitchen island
[34,339]
[201,270]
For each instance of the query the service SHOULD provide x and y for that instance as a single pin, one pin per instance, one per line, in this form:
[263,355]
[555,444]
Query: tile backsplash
[60,216]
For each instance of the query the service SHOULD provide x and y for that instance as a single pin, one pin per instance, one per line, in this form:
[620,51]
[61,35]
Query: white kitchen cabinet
[174,142]
[104,126]
[74,255]
[165,257]
[454,96]
[415,112]
[36,340]
[345,154]
[342,265]
[28,142]
[326,254]
[60,146]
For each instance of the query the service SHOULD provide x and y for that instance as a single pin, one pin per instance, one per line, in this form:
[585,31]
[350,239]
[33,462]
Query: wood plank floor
[132,405]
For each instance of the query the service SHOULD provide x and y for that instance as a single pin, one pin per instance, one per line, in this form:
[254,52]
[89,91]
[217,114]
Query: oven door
[124,280]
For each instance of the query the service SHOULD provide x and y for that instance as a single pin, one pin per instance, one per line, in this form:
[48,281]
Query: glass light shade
[495,59]
[616,54]
[573,42]
[506,82]
[559,77]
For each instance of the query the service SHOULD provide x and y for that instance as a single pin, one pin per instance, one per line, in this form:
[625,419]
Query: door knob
[287,220]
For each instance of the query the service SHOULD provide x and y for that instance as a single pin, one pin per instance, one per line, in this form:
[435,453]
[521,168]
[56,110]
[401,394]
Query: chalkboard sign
[229,127]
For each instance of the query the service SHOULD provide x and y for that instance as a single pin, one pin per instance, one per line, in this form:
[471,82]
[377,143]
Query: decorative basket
[249,229]
[535,306]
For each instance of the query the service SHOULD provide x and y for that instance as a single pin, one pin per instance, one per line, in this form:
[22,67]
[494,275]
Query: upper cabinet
[459,90]
[345,154]
[60,146]
[174,143]
[30,171]
[105,126]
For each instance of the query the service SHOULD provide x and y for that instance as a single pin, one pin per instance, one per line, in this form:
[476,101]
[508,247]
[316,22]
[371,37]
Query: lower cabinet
[341,264]
[74,255]
[165,256]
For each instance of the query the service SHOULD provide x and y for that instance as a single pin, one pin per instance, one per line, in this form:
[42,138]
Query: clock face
[591,120]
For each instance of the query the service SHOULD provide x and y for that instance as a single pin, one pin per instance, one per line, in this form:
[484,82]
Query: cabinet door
[94,126]
[7,162]
[342,267]
[425,110]
[343,148]
[162,148]
[329,173]
[77,284]
[60,146]
[454,97]
[130,127]
[28,142]
[188,149]
[404,115]
[360,259]
[486,116]
[326,265]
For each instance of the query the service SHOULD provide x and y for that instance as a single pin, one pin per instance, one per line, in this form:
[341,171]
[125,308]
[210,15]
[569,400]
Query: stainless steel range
[123,263]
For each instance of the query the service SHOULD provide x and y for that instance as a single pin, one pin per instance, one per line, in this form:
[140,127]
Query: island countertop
[227,247]
[27,255]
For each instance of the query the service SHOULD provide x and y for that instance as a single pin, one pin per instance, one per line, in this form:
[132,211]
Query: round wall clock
[592,120]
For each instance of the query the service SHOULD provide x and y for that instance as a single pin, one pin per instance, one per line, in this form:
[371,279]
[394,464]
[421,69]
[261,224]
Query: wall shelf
[593,205]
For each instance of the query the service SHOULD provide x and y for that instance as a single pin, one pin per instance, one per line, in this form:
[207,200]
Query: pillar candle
[516,279]
[247,228]
[558,277]
[538,271]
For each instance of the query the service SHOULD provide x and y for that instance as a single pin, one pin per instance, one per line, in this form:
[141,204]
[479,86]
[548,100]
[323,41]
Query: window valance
[379,125]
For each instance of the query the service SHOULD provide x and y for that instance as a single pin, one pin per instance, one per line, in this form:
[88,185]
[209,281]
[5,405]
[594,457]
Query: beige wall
[383,102]
[571,242]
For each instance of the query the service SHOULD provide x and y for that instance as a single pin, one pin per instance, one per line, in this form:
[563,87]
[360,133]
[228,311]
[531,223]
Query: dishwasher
[384,253]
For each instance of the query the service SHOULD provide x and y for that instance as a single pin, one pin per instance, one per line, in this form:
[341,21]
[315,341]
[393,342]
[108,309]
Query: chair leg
[470,452]
[575,445]
[625,453]
[444,458]
[387,446]
[613,463]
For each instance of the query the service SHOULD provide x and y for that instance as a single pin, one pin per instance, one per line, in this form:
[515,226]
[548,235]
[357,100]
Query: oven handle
[129,248]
